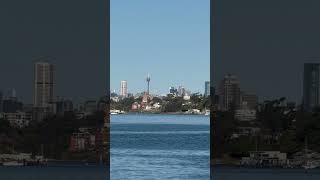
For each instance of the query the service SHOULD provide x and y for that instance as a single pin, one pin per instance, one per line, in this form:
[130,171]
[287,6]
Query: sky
[170,39]
[72,31]
[265,43]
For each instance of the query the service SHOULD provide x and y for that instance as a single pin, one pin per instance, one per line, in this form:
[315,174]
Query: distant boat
[12,163]
[207,112]
[117,112]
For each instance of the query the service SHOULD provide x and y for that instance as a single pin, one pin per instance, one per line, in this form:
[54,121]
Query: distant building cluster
[180,92]
[45,102]
[145,101]
[229,96]
[47,105]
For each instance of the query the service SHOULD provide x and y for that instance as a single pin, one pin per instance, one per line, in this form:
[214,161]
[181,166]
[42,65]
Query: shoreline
[162,113]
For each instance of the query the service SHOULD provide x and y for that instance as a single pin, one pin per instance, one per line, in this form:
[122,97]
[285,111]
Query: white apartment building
[123,89]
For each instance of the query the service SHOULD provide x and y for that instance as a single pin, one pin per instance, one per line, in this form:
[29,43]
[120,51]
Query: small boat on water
[12,163]
[113,112]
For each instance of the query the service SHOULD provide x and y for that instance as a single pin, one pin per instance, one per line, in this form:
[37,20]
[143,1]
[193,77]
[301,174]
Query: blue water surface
[150,146]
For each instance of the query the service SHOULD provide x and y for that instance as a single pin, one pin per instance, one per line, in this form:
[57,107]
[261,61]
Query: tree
[173,104]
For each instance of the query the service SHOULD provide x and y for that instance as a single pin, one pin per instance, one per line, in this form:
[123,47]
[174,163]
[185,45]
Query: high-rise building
[206,88]
[173,90]
[123,89]
[229,92]
[181,91]
[311,86]
[44,85]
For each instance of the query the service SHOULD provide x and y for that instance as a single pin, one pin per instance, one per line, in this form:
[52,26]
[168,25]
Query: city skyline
[168,39]
[124,90]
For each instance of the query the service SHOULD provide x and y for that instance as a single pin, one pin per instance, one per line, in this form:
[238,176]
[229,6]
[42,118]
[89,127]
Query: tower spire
[148,83]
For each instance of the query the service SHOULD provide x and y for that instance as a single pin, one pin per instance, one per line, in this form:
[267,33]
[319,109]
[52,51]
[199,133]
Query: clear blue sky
[167,38]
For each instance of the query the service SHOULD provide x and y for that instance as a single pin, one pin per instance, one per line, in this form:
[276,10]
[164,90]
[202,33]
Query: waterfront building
[265,159]
[82,141]
[311,86]
[156,106]
[18,119]
[135,106]
[207,88]
[123,89]
[146,99]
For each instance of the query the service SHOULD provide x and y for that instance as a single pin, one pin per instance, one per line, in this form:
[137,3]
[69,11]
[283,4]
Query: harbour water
[145,147]
[224,173]
[54,173]
[149,146]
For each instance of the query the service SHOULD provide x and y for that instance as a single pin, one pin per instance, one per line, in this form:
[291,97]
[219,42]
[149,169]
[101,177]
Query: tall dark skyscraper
[311,86]
[43,92]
